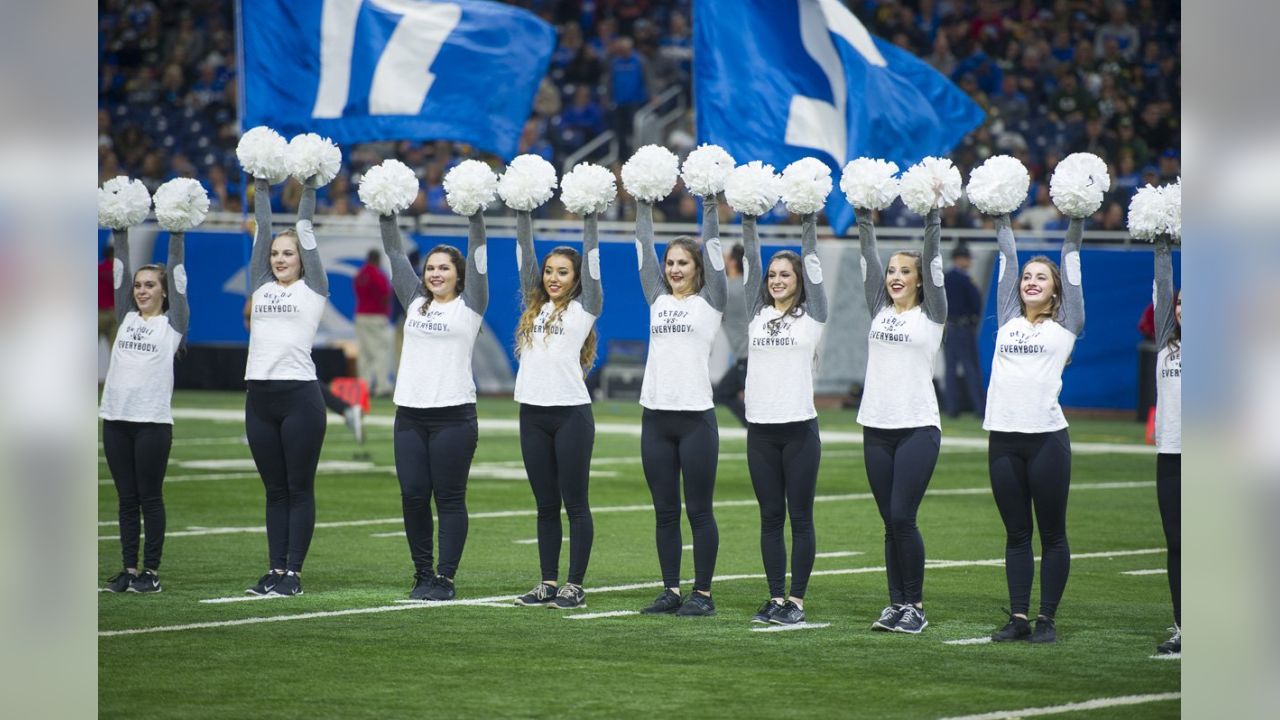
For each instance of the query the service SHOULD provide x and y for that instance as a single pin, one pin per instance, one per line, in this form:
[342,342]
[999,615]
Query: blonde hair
[297,247]
[537,296]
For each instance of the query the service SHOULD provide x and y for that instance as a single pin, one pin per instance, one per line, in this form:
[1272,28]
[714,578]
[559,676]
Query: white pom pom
[1078,184]
[651,173]
[999,185]
[869,183]
[527,183]
[930,184]
[753,189]
[1148,213]
[588,189]
[705,170]
[470,186]
[806,183]
[1173,210]
[122,203]
[310,155]
[264,154]
[181,204]
[388,187]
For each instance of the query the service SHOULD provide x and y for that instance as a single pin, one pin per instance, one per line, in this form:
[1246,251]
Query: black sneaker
[540,595]
[889,617]
[764,615]
[570,597]
[422,583]
[698,605]
[667,602]
[120,583]
[288,585]
[265,583]
[912,620]
[147,582]
[441,589]
[1044,632]
[1017,629]
[1172,646]
[788,614]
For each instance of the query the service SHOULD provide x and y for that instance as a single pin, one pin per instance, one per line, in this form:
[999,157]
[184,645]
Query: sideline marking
[839,554]
[1094,704]
[797,626]
[1169,656]
[593,616]
[242,598]
[1157,571]
[968,641]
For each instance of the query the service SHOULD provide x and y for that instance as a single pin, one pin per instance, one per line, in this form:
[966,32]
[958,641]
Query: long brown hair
[797,267]
[919,260]
[689,245]
[537,296]
[1174,343]
[458,262]
[1055,302]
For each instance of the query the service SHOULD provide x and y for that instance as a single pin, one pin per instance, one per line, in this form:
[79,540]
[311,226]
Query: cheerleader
[678,435]
[1041,312]
[1168,313]
[901,429]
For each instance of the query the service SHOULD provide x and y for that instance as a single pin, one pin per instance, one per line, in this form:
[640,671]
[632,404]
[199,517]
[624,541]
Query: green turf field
[348,649]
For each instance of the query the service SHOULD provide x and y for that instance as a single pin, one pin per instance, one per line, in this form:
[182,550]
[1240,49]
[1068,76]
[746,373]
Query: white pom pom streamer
[470,187]
[651,173]
[263,153]
[1173,210]
[181,204]
[588,189]
[705,170]
[806,183]
[388,187]
[1078,184]
[869,183]
[999,185]
[122,203]
[528,182]
[310,155]
[1148,213]
[753,189]
[930,184]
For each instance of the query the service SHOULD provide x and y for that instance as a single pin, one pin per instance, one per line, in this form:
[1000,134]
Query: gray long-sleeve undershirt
[408,284]
[935,294]
[1165,315]
[713,288]
[313,273]
[592,295]
[179,312]
[1008,289]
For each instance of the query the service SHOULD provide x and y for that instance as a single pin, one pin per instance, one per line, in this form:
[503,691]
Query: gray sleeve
[714,283]
[592,297]
[752,272]
[650,273]
[476,292]
[404,278]
[1072,292]
[872,268]
[1007,306]
[123,284]
[260,258]
[526,257]
[935,291]
[815,292]
[313,273]
[179,310]
[1166,319]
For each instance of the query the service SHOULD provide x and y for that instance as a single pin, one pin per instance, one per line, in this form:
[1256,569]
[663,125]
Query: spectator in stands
[373,329]
[584,119]
[1035,217]
[1070,102]
[628,89]
[1118,29]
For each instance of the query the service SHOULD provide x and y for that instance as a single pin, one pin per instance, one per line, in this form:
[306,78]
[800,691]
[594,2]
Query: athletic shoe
[1172,646]
[1017,629]
[288,585]
[788,614]
[766,612]
[667,602]
[121,582]
[889,617]
[1044,632]
[422,583]
[265,583]
[912,620]
[570,597]
[698,605]
[540,595]
[354,416]
[440,590]
[147,582]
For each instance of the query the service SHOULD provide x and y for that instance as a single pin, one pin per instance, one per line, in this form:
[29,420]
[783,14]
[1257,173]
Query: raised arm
[313,269]
[404,278]
[714,283]
[752,272]
[1007,306]
[1166,319]
[592,297]
[935,292]
[647,254]
[476,292]
[526,258]
[121,275]
[815,292]
[179,311]
[1072,292]
[260,258]
[872,268]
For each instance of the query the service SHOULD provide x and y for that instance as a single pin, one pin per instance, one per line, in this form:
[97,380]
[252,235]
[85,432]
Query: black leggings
[137,454]
[727,391]
[899,466]
[783,459]
[1169,495]
[1033,470]
[434,448]
[285,423]
[556,445]
[672,441]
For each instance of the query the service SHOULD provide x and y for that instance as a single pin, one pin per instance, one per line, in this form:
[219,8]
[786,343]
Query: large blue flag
[778,80]
[360,70]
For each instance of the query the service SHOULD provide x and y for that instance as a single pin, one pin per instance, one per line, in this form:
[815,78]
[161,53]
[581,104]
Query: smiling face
[286,260]
[558,278]
[681,271]
[440,276]
[1037,287]
[902,280]
[148,292]
[783,282]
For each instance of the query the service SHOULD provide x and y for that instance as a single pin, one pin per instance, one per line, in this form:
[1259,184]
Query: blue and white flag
[778,80]
[361,70]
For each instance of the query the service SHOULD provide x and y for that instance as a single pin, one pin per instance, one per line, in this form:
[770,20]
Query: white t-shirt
[780,367]
[1169,401]
[1026,377]
[435,364]
[550,373]
[676,374]
[281,329]
[898,391]
[139,384]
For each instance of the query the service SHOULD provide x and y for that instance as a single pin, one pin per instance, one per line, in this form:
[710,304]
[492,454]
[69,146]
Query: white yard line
[1171,656]
[786,628]
[1094,704]
[1156,571]
[593,616]
[839,554]
[968,641]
